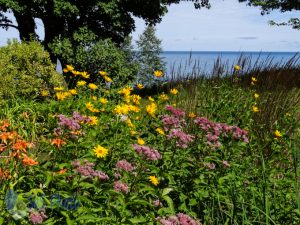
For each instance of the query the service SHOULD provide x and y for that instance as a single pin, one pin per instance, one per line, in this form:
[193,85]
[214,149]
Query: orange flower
[58,142]
[2,147]
[4,136]
[20,145]
[62,171]
[5,124]
[4,174]
[77,132]
[28,161]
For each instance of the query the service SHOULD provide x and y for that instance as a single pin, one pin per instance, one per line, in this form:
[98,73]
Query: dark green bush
[86,53]
[26,70]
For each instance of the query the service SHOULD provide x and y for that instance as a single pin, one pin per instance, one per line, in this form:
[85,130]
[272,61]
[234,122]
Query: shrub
[26,70]
[84,52]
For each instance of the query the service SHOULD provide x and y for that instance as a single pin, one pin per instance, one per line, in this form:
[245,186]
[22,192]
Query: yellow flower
[85,75]
[255,109]
[45,93]
[129,123]
[158,73]
[103,73]
[256,95]
[125,91]
[140,141]
[154,180]
[151,99]
[58,88]
[278,134]
[151,109]
[135,99]
[160,131]
[69,67]
[121,109]
[93,86]
[237,67]
[81,83]
[100,151]
[133,108]
[76,73]
[140,86]
[107,79]
[93,120]
[164,97]
[103,100]
[73,91]
[174,91]
[94,98]
[192,115]
[133,132]
[90,107]
[62,95]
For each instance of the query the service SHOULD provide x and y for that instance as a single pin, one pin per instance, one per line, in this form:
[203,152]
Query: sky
[227,26]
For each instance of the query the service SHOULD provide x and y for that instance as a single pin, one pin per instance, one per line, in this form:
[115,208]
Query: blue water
[202,62]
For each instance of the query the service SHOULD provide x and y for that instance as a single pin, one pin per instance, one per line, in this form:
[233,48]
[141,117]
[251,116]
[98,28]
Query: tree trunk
[26,26]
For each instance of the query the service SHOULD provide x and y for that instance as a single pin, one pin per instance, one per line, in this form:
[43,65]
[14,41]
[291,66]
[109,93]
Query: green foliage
[281,5]
[26,70]
[215,179]
[149,49]
[61,19]
[86,53]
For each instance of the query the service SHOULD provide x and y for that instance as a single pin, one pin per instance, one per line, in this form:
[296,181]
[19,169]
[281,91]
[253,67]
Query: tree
[62,18]
[282,5]
[85,52]
[149,49]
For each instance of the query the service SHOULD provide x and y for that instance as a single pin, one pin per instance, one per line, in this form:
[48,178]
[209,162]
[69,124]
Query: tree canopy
[282,5]
[62,18]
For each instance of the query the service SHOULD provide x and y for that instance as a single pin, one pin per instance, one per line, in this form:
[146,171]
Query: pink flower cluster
[87,170]
[171,121]
[182,139]
[179,219]
[124,165]
[175,111]
[74,122]
[174,123]
[121,187]
[147,152]
[215,130]
[37,217]
[176,120]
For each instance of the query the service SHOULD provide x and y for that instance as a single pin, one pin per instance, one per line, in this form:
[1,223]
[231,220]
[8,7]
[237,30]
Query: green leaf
[138,220]
[86,185]
[49,178]
[1,220]
[170,204]
[166,191]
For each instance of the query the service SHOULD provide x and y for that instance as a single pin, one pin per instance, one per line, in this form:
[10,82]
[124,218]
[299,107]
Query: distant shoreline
[230,52]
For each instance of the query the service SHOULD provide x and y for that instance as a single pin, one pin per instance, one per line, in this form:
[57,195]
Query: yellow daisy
[100,151]
[154,180]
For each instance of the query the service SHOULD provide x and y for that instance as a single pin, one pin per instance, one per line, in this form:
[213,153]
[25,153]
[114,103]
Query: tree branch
[8,25]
